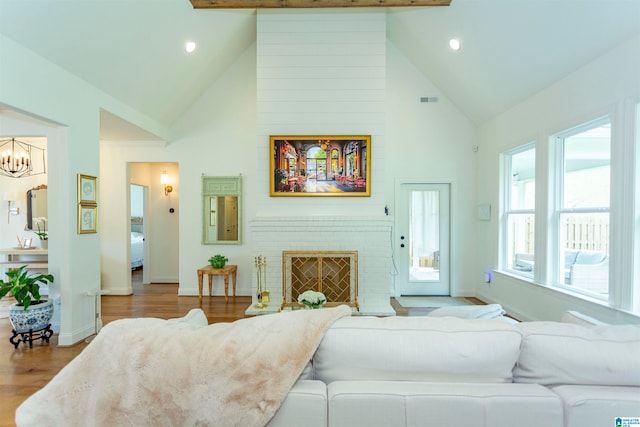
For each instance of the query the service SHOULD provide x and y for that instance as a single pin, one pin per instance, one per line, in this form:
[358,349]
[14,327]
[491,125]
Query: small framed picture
[87,189]
[87,219]
[26,244]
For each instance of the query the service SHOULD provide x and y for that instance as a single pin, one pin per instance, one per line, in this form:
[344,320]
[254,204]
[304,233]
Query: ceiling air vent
[429,99]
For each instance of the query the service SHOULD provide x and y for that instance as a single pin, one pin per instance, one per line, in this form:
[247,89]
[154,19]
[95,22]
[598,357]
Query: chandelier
[18,159]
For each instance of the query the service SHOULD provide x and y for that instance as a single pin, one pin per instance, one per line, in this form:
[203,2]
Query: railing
[592,234]
[581,232]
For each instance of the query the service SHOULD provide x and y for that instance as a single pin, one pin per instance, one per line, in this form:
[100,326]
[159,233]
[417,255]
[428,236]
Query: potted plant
[29,313]
[312,299]
[218,261]
[42,233]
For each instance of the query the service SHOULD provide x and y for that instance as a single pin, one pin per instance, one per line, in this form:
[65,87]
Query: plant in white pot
[30,313]
[42,233]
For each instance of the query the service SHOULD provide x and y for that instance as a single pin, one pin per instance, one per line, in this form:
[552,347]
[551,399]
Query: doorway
[422,241]
[138,247]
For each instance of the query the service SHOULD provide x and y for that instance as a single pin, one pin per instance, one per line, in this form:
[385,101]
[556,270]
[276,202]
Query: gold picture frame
[87,218]
[320,165]
[87,189]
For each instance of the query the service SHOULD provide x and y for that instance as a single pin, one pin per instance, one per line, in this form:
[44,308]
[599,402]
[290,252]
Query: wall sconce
[10,196]
[164,179]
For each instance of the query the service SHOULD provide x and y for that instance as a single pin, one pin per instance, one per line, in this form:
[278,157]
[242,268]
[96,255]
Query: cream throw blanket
[151,372]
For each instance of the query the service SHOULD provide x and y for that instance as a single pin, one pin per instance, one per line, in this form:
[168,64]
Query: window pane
[424,236]
[584,254]
[523,184]
[587,158]
[520,240]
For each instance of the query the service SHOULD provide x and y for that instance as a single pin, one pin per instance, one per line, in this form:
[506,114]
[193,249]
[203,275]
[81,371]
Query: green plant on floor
[218,261]
[24,286]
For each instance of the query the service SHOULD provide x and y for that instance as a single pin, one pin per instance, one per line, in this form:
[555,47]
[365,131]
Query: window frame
[557,177]
[507,211]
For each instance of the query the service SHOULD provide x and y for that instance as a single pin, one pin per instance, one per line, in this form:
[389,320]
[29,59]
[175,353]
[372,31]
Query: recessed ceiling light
[454,44]
[190,46]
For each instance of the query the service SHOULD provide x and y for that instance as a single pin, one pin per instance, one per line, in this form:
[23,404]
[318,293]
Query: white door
[422,241]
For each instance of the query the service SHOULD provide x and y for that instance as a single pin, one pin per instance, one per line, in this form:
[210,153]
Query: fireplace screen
[334,273]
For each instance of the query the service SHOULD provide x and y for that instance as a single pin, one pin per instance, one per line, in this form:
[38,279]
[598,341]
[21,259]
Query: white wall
[78,275]
[137,205]
[220,136]
[138,163]
[432,143]
[216,137]
[321,73]
[599,88]
[51,95]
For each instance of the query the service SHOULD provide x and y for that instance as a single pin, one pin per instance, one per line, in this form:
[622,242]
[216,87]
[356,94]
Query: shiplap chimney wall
[323,73]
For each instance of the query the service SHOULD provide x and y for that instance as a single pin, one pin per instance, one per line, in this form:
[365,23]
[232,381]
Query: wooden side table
[224,271]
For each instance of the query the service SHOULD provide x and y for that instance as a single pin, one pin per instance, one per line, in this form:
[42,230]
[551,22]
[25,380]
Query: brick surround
[370,236]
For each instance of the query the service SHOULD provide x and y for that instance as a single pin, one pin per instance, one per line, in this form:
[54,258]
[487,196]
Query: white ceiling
[134,49]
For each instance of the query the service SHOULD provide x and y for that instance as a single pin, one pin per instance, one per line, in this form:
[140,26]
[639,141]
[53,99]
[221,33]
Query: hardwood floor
[25,370]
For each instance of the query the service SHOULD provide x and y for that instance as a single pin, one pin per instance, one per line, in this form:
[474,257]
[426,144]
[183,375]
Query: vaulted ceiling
[134,49]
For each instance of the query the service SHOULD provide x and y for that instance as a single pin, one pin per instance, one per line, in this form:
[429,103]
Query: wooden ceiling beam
[290,4]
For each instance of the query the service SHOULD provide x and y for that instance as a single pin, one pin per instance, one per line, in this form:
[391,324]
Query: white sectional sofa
[445,371]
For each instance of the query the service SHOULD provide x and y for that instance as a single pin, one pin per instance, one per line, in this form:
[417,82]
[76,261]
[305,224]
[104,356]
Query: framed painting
[87,189]
[87,219]
[324,165]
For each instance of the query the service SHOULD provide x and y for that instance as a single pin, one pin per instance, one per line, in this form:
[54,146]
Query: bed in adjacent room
[137,240]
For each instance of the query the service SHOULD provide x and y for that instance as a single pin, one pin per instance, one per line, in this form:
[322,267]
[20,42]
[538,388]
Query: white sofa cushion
[596,406]
[418,348]
[413,404]
[305,405]
[561,353]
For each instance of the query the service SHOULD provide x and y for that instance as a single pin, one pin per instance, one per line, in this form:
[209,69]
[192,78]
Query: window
[586,210]
[519,212]
[582,199]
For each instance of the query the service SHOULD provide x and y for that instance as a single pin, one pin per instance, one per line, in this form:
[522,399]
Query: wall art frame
[320,165]
[87,218]
[87,189]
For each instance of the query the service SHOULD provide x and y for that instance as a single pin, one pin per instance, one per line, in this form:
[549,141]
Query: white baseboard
[67,339]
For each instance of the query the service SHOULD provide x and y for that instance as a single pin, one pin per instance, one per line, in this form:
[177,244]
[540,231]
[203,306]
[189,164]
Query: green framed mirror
[221,210]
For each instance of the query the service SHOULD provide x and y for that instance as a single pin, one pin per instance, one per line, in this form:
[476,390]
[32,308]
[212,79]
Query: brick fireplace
[370,237]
